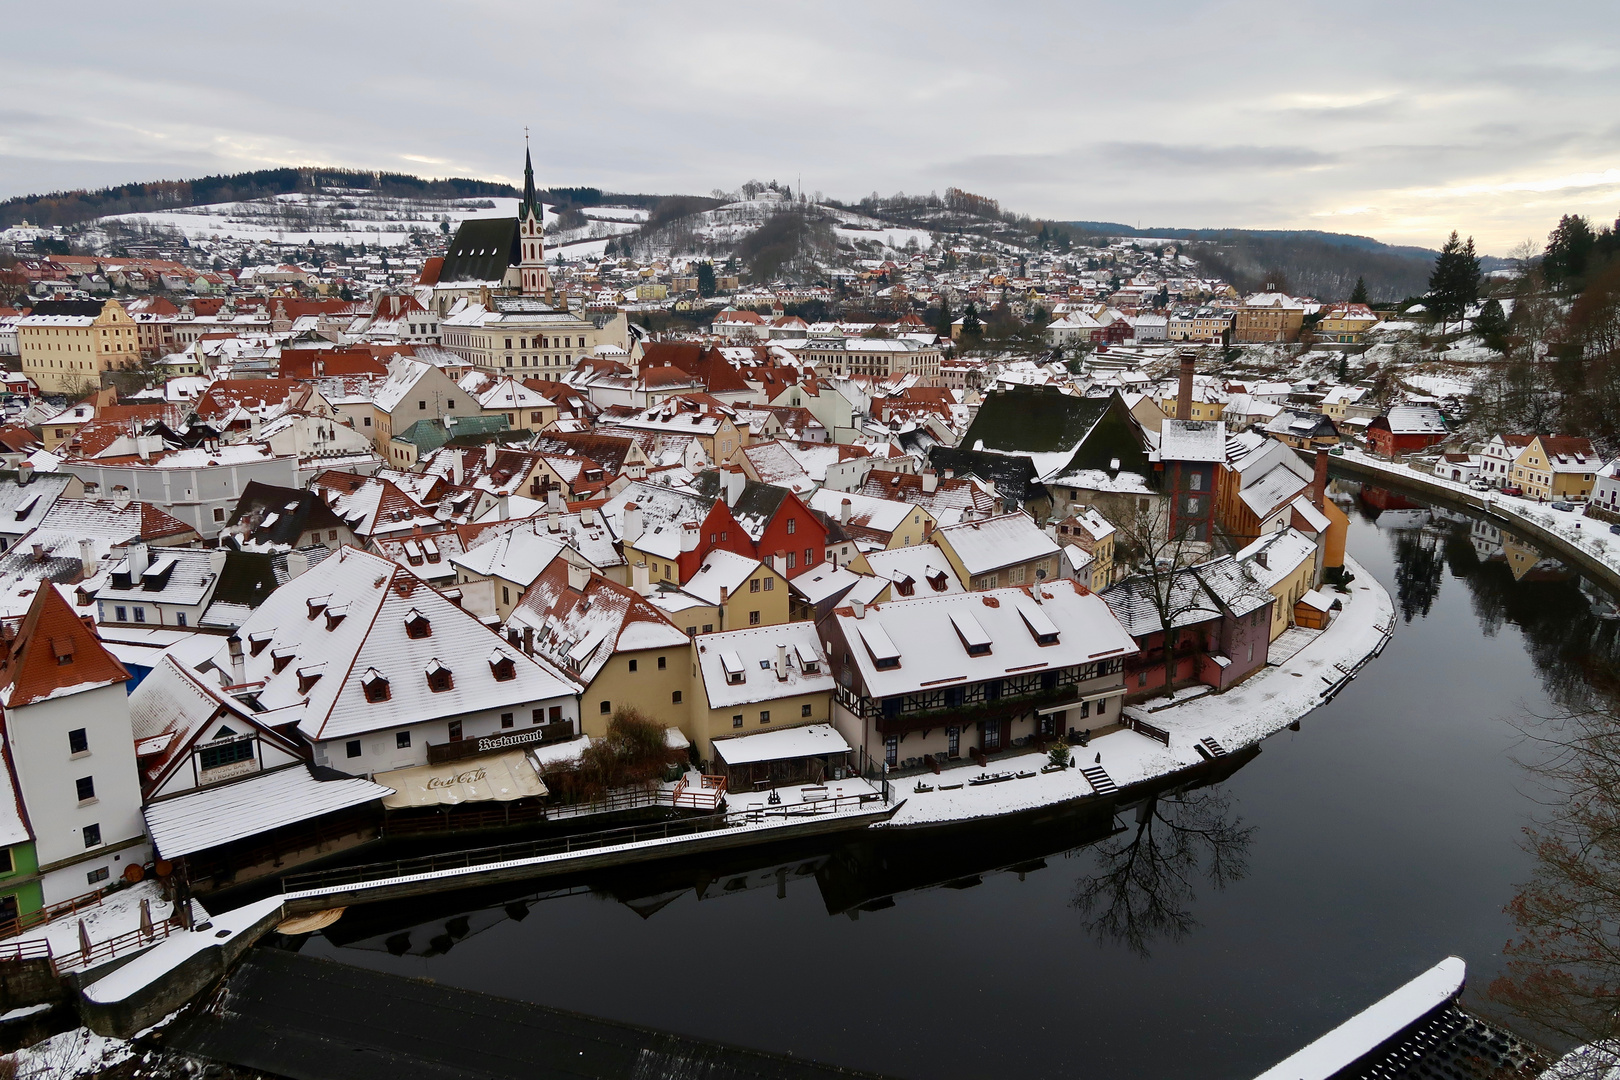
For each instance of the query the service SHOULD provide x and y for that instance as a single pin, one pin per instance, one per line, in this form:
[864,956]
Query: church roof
[482,250]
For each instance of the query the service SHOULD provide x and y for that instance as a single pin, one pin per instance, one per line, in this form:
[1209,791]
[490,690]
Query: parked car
[1479,485]
[1566,507]
[1511,490]
[1615,529]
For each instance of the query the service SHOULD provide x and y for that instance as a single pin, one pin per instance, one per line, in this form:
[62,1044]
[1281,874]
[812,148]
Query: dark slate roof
[482,250]
[296,512]
[250,576]
[290,1015]
[1033,420]
[756,505]
[92,308]
[1014,475]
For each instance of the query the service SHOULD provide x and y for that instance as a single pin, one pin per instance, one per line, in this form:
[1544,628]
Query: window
[455,731]
[120,613]
[605,707]
[92,835]
[891,750]
[402,740]
[439,678]
[78,741]
[351,748]
[661,660]
[764,716]
[753,618]
[793,560]
[675,697]
[87,788]
[506,595]
[140,614]
[708,628]
[1102,706]
[179,618]
[804,710]
[212,757]
[506,720]
[792,526]
[219,513]
[98,875]
[809,556]
[422,405]
[736,720]
[753,584]
[632,665]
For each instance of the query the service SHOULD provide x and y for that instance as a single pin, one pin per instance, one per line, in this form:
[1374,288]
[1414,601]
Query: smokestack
[1319,481]
[690,534]
[844,510]
[930,481]
[528,640]
[87,556]
[1184,392]
[632,523]
[238,661]
[781,662]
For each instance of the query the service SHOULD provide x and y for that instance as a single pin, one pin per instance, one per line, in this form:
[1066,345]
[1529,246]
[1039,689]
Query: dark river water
[1208,938]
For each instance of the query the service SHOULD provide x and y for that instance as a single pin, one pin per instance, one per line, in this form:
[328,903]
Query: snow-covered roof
[884,516]
[721,569]
[1275,556]
[212,816]
[923,568]
[1192,440]
[810,740]
[928,651]
[752,653]
[518,555]
[995,542]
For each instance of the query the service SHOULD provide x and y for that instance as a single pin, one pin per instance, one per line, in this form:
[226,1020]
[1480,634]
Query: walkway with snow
[1261,705]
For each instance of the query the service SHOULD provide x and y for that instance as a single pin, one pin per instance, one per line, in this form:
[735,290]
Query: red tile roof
[53,651]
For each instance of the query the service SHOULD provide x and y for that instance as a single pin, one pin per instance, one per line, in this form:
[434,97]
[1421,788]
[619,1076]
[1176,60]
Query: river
[1235,924]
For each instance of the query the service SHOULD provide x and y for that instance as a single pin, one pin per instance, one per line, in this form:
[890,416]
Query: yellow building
[732,591]
[1557,468]
[65,345]
[1089,531]
[1346,324]
[1201,410]
[753,683]
[1286,564]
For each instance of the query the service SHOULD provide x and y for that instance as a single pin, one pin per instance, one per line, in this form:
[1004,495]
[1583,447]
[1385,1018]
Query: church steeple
[535,281]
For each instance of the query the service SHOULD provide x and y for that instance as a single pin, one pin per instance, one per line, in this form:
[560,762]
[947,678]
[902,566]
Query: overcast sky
[1398,121]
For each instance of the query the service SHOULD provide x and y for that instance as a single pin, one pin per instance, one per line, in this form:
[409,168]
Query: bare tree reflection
[1146,879]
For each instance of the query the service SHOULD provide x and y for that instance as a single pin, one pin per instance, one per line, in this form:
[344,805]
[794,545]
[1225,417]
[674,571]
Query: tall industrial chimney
[1184,392]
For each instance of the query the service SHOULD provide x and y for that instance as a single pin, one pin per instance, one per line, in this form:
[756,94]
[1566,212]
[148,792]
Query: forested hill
[72,207]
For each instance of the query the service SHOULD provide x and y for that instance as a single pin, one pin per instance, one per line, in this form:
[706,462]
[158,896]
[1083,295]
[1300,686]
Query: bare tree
[1161,557]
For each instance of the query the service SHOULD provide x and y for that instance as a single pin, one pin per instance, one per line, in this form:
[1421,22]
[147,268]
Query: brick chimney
[1319,481]
[1184,392]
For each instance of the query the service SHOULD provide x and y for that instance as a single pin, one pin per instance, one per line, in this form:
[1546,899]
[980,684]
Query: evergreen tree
[1569,248]
[705,279]
[1491,325]
[1454,282]
[942,325]
[1359,294]
[1344,367]
[970,320]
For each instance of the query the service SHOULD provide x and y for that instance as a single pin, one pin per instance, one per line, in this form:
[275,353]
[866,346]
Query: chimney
[930,481]
[858,607]
[238,661]
[554,500]
[844,509]
[641,578]
[690,534]
[87,556]
[455,467]
[587,517]
[216,559]
[781,662]
[632,523]
[732,478]
[779,563]
[554,522]
[139,560]
[489,455]
[578,577]
[1260,557]
[39,553]
[503,508]
[1184,392]
[1319,481]
[25,472]
[528,640]
[143,447]
[297,563]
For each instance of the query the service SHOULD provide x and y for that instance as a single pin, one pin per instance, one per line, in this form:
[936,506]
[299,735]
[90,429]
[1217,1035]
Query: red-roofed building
[67,730]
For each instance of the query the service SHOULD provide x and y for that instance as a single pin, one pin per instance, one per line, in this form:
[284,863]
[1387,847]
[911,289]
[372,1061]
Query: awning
[811,740]
[494,778]
[206,818]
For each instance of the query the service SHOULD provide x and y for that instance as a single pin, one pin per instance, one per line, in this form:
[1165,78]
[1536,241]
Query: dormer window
[317,604]
[309,676]
[375,685]
[503,667]
[258,642]
[336,615]
[417,625]
[732,664]
[280,659]
[439,678]
[62,649]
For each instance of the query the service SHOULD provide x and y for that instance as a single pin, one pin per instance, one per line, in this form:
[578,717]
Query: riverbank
[1572,536]
[1262,705]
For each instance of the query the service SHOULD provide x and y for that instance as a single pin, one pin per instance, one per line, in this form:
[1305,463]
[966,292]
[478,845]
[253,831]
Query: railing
[35,949]
[564,845]
[621,799]
[462,819]
[12,927]
[1152,732]
[711,789]
[106,950]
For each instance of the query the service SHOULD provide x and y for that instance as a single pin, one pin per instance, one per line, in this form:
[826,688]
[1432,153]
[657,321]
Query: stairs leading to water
[1100,781]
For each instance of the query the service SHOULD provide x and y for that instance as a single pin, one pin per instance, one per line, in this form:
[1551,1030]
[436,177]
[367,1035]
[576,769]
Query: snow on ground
[895,236]
[79,1052]
[579,249]
[164,957]
[338,218]
[615,213]
[1262,705]
[117,914]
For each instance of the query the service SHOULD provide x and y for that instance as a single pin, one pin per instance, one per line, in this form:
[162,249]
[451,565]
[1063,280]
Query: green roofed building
[425,436]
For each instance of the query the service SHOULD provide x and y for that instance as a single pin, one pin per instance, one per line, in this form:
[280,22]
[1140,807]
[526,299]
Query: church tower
[531,232]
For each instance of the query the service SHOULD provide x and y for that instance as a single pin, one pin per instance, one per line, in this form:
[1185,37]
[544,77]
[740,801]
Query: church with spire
[496,255]
[531,224]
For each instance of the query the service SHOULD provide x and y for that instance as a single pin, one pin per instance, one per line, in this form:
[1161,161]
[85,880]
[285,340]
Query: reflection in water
[1145,883]
[1569,625]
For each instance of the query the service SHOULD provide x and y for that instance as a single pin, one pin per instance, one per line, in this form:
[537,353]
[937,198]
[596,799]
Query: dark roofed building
[482,250]
[286,517]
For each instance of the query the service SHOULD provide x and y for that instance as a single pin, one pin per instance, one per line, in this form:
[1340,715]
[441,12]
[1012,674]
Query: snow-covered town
[392,558]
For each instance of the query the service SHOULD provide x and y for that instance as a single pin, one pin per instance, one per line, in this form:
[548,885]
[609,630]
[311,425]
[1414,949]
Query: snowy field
[325,218]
